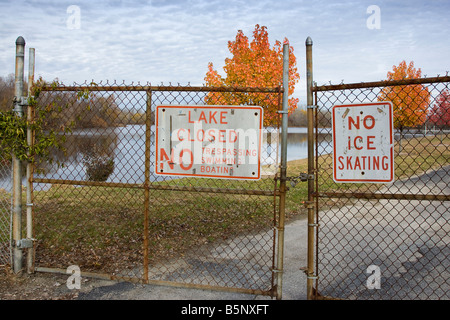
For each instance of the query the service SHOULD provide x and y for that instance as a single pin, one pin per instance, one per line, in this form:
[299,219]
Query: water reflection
[118,154]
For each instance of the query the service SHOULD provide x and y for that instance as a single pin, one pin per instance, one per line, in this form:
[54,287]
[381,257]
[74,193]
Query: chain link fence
[104,209]
[6,104]
[5,210]
[378,241]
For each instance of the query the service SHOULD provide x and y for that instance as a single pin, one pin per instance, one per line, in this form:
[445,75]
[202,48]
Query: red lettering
[164,157]
[203,135]
[182,166]
[371,163]
[357,164]
[180,138]
[222,136]
[223,117]
[230,136]
[354,142]
[355,123]
[365,124]
[385,163]
[190,136]
[211,135]
[202,117]
[212,117]
[364,162]
[376,163]
[341,164]
[349,163]
[358,143]
[370,142]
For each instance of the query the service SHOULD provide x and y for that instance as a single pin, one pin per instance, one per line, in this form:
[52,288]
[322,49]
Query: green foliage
[13,131]
[13,135]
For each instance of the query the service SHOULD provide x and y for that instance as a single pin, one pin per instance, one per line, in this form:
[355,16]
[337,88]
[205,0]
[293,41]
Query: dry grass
[100,228]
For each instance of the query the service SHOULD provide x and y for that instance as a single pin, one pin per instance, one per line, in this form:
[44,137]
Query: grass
[416,157]
[102,228]
[95,227]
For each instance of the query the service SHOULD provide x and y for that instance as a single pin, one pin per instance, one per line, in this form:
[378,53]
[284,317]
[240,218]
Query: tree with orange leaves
[254,64]
[410,102]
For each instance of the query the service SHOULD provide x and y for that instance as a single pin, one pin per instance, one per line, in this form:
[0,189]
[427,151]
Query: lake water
[126,146]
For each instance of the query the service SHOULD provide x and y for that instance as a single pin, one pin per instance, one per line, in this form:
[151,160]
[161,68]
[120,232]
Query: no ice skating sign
[363,142]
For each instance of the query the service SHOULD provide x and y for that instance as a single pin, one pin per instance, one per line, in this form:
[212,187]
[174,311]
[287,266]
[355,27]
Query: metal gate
[386,241]
[5,211]
[99,207]
[107,212]
[6,104]
[5,198]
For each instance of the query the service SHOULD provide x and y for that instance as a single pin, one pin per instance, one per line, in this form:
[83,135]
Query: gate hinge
[309,275]
[24,243]
[23,101]
[20,102]
[309,204]
[302,177]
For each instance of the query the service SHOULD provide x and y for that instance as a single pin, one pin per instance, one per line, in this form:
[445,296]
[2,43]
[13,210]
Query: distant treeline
[100,109]
[77,110]
[299,118]
[7,92]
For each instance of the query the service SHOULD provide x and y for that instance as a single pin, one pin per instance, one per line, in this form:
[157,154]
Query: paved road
[408,240]
[294,280]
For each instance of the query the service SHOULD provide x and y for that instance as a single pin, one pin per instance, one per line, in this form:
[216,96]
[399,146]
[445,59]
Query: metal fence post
[17,166]
[310,116]
[29,187]
[148,124]
[284,126]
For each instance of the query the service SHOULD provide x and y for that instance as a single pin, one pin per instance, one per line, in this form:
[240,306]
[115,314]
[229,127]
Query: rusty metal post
[17,166]
[283,161]
[29,185]
[311,171]
[148,124]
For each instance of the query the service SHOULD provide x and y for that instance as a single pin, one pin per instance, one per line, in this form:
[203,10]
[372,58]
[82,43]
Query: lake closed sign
[209,141]
[363,143]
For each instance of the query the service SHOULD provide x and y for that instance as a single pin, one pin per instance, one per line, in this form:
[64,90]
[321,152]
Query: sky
[172,41]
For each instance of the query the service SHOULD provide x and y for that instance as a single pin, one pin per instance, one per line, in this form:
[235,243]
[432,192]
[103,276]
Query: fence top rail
[383,83]
[100,87]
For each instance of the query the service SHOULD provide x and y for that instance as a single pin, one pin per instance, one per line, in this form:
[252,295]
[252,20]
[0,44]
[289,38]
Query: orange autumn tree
[410,102]
[254,64]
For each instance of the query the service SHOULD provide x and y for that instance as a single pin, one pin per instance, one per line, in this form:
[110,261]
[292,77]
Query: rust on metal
[411,224]
[95,88]
[140,263]
[268,193]
[387,196]
[383,83]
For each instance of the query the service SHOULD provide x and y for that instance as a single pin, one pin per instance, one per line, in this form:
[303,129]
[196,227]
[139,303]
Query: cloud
[170,40]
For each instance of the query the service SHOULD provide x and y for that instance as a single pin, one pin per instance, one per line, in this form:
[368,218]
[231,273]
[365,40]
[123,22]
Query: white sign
[209,141]
[363,142]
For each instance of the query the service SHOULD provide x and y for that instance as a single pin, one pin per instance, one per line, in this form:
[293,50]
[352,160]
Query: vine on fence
[13,129]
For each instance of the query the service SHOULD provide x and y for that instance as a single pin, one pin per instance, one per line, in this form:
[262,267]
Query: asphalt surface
[294,280]
[409,242]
